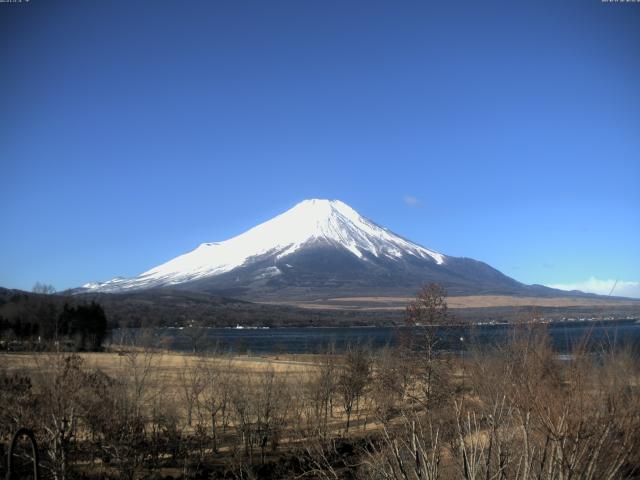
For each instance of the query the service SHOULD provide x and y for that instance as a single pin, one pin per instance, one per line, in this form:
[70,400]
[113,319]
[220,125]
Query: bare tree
[320,455]
[426,314]
[17,397]
[192,381]
[272,403]
[43,288]
[216,392]
[388,383]
[243,403]
[410,451]
[124,430]
[62,380]
[196,334]
[136,372]
[353,379]
[321,388]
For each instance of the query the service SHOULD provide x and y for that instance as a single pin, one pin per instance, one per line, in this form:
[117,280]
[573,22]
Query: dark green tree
[85,324]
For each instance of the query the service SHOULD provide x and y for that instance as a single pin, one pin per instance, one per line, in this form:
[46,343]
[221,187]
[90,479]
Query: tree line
[43,321]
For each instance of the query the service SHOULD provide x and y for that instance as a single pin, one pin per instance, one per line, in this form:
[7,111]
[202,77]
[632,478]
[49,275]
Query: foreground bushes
[513,411]
[523,414]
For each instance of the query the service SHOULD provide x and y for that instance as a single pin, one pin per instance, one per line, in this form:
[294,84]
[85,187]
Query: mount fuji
[318,249]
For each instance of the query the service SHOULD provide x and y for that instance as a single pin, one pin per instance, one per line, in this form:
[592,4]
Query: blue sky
[508,132]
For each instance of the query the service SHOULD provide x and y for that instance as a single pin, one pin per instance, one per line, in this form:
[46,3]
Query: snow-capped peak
[307,223]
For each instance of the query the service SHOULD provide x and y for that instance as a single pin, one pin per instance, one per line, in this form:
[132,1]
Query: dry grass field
[173,375]
[167,362]
[164,370]
[469,301]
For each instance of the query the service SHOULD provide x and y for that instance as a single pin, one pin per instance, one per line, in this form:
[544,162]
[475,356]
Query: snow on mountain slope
[309,222]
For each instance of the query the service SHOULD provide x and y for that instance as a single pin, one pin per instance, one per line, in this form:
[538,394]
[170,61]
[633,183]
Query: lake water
[614,333]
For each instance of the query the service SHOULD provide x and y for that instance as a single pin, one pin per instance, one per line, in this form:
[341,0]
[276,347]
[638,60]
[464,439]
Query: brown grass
[468,301]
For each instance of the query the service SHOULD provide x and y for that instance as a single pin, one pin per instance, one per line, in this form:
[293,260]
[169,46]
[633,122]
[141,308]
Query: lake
[564,335]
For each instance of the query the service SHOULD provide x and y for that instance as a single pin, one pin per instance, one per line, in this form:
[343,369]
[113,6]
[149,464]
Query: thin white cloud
[603,287]
[412,201]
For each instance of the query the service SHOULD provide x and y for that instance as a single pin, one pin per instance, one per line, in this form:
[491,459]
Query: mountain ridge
[319,249]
